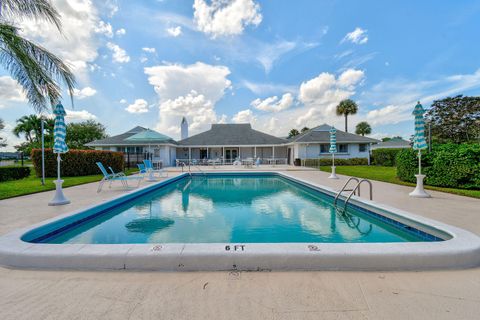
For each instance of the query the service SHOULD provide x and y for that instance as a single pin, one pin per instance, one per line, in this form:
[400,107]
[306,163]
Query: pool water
[232,209]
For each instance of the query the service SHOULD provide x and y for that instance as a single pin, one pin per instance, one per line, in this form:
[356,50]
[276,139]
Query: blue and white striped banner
[419,142]
[333,140]
[60,130]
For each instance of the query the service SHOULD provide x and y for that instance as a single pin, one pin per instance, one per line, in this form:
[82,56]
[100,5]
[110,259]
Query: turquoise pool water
[232,209]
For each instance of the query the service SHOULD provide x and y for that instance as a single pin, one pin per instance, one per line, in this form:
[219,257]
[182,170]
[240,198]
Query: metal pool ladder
[353,191]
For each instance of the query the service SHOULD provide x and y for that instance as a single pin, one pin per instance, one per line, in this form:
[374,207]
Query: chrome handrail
[358,187]
[343,189]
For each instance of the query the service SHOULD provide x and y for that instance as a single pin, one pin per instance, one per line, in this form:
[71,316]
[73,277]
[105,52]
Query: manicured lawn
[388,174]
[32,184]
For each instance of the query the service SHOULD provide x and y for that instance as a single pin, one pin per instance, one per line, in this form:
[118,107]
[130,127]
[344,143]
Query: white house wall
[312,151]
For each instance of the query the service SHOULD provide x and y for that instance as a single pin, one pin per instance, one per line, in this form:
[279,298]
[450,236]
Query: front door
[230,155]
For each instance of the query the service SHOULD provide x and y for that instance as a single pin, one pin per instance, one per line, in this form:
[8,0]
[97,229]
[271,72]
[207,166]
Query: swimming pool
[242,221]
[233,208]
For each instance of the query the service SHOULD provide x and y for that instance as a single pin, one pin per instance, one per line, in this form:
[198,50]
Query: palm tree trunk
[346,122]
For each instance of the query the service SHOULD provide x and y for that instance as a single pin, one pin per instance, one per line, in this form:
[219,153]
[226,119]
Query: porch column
[189,155]
[239,154]
[255,152]
[223,155]
[273,152]
[207,154]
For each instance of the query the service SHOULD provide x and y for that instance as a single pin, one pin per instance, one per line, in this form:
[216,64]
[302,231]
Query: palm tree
[304,129]
[31,127]
[39,72]
[345,108]
[363,128]
[292,133]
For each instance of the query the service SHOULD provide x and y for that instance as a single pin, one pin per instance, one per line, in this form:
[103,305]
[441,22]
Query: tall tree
[455,119]
[345,108]
[304,129]
[38,71]
[3,141]
[31,127]
[292,133]
[363,128]
[79,134]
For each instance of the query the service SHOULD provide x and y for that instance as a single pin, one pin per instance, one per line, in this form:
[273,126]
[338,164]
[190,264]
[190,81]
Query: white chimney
[184,128]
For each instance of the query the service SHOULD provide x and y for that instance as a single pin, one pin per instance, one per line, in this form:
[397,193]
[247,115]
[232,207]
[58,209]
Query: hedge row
[315,163]
[76,162]
[385,156]
[13,173]
[448,165]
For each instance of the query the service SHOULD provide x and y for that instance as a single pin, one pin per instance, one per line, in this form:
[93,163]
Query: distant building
[392,144]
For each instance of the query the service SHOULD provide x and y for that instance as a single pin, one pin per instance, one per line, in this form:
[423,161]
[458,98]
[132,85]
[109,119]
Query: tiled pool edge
[461,251]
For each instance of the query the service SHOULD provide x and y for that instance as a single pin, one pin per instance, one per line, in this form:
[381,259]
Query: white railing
[218,162]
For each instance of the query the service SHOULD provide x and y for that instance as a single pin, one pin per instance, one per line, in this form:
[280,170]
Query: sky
[276,64]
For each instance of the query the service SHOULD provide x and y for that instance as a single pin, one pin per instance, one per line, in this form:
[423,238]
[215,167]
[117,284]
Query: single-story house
[228,142]
[392,144]
[139,143]
[315,143]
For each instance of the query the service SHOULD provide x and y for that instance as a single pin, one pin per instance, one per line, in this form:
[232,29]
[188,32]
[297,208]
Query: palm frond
[35,69]
[30,9]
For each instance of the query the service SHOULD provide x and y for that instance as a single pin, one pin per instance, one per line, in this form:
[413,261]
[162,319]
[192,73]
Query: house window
[362,147]
[342,148]
[324,148]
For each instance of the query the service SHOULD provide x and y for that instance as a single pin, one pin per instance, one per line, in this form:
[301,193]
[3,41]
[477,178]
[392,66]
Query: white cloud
[121,32]
[149,50]
[400,96]
[244,116]
[224,18]
[84,93]
[357,36]
[78,42]
[273,104]
[349,78]
[191,91]
[139,106]
[104,28]
[199,111]
[327,90]
[267,88]
[10,90]
[80,115]
[174,31]
[118,54]
[123,101]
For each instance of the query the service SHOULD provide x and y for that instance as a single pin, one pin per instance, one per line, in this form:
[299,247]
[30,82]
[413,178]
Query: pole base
[59,198]
[419,191]
[333,175]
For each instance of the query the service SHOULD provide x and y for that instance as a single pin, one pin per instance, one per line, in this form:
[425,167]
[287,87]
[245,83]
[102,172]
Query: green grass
[32,184]
[389,174]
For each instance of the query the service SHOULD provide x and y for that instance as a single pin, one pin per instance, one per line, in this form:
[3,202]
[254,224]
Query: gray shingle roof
[321,134]
[395,143]
[231,134]
[121,139]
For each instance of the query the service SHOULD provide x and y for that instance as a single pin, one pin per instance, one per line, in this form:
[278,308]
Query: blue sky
[276,64]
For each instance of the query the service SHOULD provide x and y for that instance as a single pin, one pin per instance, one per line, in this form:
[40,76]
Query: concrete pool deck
[30,294]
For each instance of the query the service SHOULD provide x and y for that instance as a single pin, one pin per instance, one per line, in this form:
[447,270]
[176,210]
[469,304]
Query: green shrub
[76,162]
[315,163]
[13,173]
[448,165]
[385,156]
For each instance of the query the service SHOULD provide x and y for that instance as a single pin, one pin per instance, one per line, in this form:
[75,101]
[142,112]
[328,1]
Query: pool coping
[462,250]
